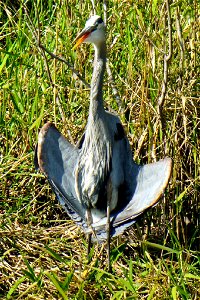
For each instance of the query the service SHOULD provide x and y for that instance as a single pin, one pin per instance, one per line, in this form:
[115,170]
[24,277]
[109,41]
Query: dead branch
[113,86]
[43,49]
[105,11]
[67,63]
[93,7]
[181,45]
[166,59]
[37,35]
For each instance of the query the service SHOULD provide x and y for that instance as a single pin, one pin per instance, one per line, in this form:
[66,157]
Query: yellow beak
[80,38]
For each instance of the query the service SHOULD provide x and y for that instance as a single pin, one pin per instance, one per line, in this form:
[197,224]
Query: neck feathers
[96,93]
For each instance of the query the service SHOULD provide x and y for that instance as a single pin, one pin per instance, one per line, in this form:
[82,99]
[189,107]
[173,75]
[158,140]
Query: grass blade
[55,281]
[15,286]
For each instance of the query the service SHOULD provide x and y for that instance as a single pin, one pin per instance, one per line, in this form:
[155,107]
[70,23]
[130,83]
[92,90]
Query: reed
[42,251]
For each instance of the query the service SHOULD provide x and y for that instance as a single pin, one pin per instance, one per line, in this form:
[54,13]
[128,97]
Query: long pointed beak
[82,36]
[79,39]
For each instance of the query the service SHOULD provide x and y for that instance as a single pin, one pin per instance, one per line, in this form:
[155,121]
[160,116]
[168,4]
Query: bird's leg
[109,195]
[88,212]
[89,245]
[89,222]
[108,233]
[112,198]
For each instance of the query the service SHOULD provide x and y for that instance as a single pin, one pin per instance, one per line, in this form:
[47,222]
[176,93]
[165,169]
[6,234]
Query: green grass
[43,253]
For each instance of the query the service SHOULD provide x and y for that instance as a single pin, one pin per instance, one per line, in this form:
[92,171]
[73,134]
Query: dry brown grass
[43,254]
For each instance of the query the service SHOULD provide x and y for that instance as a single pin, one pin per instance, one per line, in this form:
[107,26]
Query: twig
[67,63]
[140,143]
[43,48]
[93,8]
[181,44]
[161,99]
[181,65]
[56,95]
[167,58]
[113,86]
[37,35]
[105,12]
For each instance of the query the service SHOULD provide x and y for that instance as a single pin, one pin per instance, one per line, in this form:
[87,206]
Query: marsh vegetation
[43,253]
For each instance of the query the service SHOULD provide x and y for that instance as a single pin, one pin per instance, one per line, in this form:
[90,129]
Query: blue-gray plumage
[97,182]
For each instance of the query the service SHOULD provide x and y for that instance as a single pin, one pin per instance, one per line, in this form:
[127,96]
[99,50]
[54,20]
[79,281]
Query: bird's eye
[98,21]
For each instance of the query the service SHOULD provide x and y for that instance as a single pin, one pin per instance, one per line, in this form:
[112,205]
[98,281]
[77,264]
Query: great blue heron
[97,181]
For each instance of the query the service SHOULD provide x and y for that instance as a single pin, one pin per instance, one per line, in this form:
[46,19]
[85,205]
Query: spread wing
[143,186]
[57,158]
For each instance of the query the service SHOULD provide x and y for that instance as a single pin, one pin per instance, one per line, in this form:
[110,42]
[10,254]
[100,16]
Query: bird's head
[93,32]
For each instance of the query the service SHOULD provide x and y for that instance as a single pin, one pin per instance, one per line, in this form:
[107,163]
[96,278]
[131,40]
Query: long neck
[96,93]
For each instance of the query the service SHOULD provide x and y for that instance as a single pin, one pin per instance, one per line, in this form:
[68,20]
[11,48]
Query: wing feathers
[143,187]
